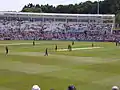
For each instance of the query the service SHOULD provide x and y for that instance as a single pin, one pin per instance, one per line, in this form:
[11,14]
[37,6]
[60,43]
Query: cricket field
[86,67]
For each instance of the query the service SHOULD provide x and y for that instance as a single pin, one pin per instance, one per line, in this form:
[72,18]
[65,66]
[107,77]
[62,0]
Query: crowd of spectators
[29,30]
[70,87]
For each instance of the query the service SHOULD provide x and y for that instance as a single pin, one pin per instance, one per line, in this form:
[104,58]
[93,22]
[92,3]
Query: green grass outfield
[26,65]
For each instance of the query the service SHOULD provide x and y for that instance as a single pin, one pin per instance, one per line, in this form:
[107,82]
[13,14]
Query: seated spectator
[115,88]
[71,87]
[37,30]
[35,87]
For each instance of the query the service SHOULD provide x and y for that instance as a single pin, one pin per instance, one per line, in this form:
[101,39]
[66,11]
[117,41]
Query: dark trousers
[116,44]
[46,54]
[6,52]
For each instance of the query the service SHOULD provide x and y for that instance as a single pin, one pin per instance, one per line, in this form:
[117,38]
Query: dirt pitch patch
[80,48]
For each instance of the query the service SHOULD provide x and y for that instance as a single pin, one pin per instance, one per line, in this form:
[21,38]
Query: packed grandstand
[44,26]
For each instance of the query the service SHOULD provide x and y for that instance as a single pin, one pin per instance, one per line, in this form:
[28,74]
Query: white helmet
[115,88]
[35,87]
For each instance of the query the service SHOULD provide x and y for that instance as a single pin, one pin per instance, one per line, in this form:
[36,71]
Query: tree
[118,18]
[88,7]
[32,8]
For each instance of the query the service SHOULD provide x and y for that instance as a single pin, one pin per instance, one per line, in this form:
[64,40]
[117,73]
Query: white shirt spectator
[115,88]
[35,87]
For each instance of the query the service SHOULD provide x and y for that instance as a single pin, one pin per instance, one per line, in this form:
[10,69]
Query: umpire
[46,52]
[6,49]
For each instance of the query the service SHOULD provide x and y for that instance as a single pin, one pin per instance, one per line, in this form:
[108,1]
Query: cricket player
[33,43]
[69,48]
[46,52]
[56,47]
[6,49]
[35,87]
[73,43]
[116,43]
[92,45]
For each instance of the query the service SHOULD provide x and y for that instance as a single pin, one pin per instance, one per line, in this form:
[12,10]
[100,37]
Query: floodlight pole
[98,8]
